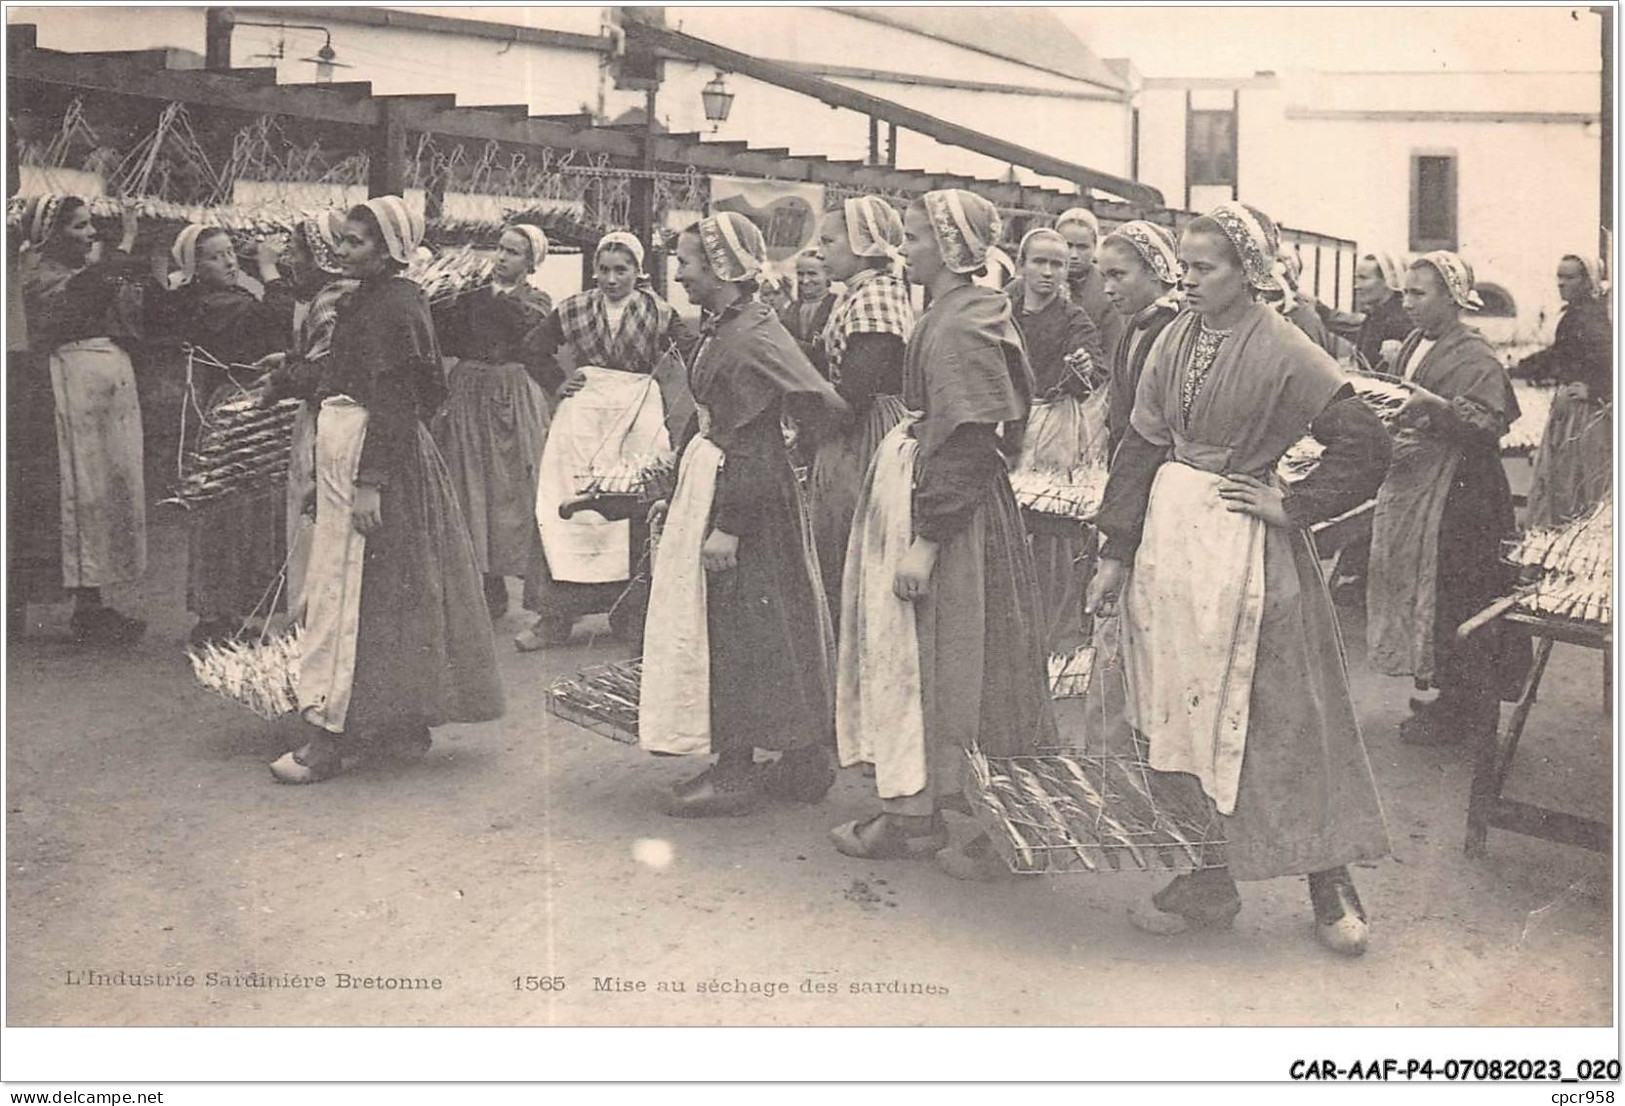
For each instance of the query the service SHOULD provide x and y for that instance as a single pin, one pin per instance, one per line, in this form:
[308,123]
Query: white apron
[332,585]
[879,704]
[1192,609]
[615,415]
[99,446]
[674,702]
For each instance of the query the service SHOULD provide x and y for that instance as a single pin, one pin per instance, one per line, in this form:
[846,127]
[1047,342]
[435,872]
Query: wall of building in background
[1333,152]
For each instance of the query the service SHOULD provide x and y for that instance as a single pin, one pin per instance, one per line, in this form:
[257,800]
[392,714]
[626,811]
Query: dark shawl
[1050,334]
[748,362]
[966,364]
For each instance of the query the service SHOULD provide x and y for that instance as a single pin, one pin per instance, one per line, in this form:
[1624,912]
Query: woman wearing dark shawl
[738,647]
[495,421]
[1574,466]
[1064,431]
[622,343]
[236,549]
[77,509]
[1233,663]
[942,640]
[1139,268]
[397,639]
[863,342]
[1442,515]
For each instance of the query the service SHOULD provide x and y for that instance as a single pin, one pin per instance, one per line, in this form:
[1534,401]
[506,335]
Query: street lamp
[718,101]
[325,63]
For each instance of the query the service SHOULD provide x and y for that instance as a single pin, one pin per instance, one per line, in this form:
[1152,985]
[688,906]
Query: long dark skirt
[983,669]
[772,663]
[424,649]
[1478,517]
[491,435]
[33,485]
[1574,466]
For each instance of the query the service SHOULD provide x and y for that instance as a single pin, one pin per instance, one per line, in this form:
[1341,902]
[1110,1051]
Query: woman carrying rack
[942,643]
[236,549]
[621,342]
[1441,517]
[1233,662]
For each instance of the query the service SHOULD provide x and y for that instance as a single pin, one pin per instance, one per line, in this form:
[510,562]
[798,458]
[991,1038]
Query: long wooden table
[1487,806]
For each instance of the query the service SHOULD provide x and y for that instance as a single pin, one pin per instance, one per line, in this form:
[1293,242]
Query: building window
[1433,201]
[1212,154]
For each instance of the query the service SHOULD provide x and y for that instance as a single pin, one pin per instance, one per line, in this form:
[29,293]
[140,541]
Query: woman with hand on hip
[1233,662]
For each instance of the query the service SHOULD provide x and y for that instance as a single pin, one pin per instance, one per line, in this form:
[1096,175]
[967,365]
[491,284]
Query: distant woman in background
[1081,229]
[806,318]
[236,548]
[1441,516]
[1574,467]
[495,422]
[1378,286]
[80,523]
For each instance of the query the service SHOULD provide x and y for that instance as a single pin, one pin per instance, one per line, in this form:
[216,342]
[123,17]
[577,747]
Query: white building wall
[1526,190]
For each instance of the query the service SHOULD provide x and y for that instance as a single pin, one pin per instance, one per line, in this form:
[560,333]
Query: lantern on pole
[717,99]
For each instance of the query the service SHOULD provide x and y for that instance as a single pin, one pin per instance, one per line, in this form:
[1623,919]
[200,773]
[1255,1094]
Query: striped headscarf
[40,217]
[873,228]
[401,227]
[620,239]
[965,227]
[320,233]
[734,247]
[537,240]
[1256,241]
[1457,276]
[1154,245]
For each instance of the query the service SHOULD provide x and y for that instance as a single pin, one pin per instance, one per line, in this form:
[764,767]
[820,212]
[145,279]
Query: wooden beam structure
[381,125]
[838,95]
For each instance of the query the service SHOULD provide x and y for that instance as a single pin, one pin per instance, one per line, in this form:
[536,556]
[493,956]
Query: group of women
[892,609]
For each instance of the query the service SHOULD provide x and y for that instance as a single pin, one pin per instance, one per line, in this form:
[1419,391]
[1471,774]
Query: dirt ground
[146,836]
